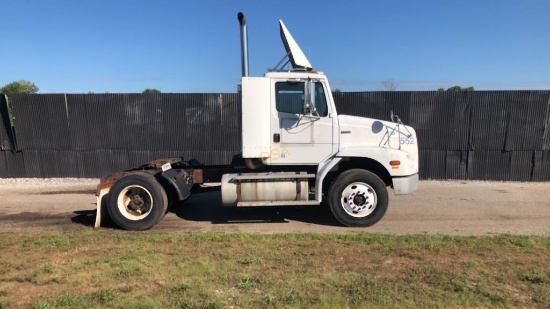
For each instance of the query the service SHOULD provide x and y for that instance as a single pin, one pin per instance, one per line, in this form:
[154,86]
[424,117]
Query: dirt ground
[438,207]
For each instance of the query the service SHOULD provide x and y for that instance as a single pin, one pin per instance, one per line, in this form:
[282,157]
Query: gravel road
[438,207]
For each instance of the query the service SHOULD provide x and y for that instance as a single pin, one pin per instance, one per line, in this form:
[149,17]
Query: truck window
[320,100]
[290,98]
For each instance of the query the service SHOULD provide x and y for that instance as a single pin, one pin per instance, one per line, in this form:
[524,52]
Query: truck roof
[295,74]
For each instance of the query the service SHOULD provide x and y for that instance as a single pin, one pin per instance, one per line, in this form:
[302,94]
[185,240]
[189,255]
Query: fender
[382,155]
[322,171]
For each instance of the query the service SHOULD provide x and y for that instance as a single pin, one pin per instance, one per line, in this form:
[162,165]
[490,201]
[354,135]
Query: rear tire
[137,201]
[358,198]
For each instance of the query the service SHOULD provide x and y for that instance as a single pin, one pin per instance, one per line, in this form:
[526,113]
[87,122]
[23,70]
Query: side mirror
[309,98]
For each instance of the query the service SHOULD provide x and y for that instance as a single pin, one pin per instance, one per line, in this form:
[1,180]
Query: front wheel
[358,198]
[137,202]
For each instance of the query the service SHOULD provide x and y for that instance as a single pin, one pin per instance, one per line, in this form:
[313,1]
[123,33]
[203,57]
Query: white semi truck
[296,150]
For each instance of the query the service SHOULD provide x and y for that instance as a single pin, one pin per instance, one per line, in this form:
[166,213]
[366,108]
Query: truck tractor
[296,151]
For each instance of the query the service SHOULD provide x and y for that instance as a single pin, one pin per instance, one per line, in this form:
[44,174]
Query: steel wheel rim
[135,202]
[358,199]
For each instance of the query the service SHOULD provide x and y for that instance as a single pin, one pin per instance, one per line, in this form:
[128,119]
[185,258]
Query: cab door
[301,135]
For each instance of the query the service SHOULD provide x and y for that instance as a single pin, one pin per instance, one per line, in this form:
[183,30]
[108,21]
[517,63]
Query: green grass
[116,269]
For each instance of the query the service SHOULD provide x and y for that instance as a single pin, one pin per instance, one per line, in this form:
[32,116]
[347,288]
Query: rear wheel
[358,198]
[137,202]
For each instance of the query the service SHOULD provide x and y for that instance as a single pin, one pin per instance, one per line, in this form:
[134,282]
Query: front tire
[137,201]
[358,198]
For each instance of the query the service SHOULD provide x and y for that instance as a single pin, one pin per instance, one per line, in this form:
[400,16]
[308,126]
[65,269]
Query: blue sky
[68,46]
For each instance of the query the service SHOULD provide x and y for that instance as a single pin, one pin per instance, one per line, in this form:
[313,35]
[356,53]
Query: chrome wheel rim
[358,199]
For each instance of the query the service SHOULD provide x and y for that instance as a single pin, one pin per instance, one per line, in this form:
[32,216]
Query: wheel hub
[135,202]
[358,199]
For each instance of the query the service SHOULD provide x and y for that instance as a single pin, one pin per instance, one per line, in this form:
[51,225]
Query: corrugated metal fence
[92,135]
[487,135]
[493,135]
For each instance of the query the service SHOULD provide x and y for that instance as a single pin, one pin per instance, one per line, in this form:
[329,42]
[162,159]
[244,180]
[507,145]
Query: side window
[290,97]
[320,100]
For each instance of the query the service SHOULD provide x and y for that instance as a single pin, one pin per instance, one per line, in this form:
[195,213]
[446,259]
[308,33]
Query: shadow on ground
[207,206]
[84,217]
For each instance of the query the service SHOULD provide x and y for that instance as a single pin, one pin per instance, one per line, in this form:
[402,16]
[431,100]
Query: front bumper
[405,185]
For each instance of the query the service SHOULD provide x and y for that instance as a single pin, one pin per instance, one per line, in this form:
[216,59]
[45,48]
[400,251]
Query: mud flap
[102,214]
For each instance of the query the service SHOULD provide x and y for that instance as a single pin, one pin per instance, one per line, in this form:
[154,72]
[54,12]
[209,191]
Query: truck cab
[289,118]
[290,124]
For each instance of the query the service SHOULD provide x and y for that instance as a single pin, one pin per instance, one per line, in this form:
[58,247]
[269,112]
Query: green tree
[151,91]
[21,86]
[457,88]
[337,90]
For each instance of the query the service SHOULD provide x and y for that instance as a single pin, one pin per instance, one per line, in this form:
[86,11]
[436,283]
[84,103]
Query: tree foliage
[389,85]
[151,91]
[21,86]
[457,88]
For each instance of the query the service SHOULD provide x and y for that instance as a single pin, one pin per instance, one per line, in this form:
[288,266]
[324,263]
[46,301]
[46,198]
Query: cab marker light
[395,164]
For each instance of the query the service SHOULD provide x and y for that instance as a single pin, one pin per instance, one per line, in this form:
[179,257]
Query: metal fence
[487,135]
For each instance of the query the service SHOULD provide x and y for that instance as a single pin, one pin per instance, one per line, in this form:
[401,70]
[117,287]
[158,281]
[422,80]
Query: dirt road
[438,207]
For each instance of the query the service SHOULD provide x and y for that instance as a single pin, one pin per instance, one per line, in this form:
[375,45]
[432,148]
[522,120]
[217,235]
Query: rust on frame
[107,182]
[157,164]
[152,166]
[197,176]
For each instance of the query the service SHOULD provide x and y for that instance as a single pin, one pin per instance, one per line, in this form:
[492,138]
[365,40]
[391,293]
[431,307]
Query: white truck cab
[289,120]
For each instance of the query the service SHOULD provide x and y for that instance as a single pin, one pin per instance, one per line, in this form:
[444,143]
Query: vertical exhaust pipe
[251,163]
[244,44]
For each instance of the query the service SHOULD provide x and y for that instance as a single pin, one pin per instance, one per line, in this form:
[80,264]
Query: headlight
[409,160]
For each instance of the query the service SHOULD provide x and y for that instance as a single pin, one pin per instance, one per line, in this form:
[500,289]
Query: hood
[360,131]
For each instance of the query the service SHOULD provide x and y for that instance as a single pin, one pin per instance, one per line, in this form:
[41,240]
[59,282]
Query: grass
[116,269]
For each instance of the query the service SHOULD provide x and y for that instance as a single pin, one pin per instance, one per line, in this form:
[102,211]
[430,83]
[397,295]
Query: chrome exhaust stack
[244,44]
